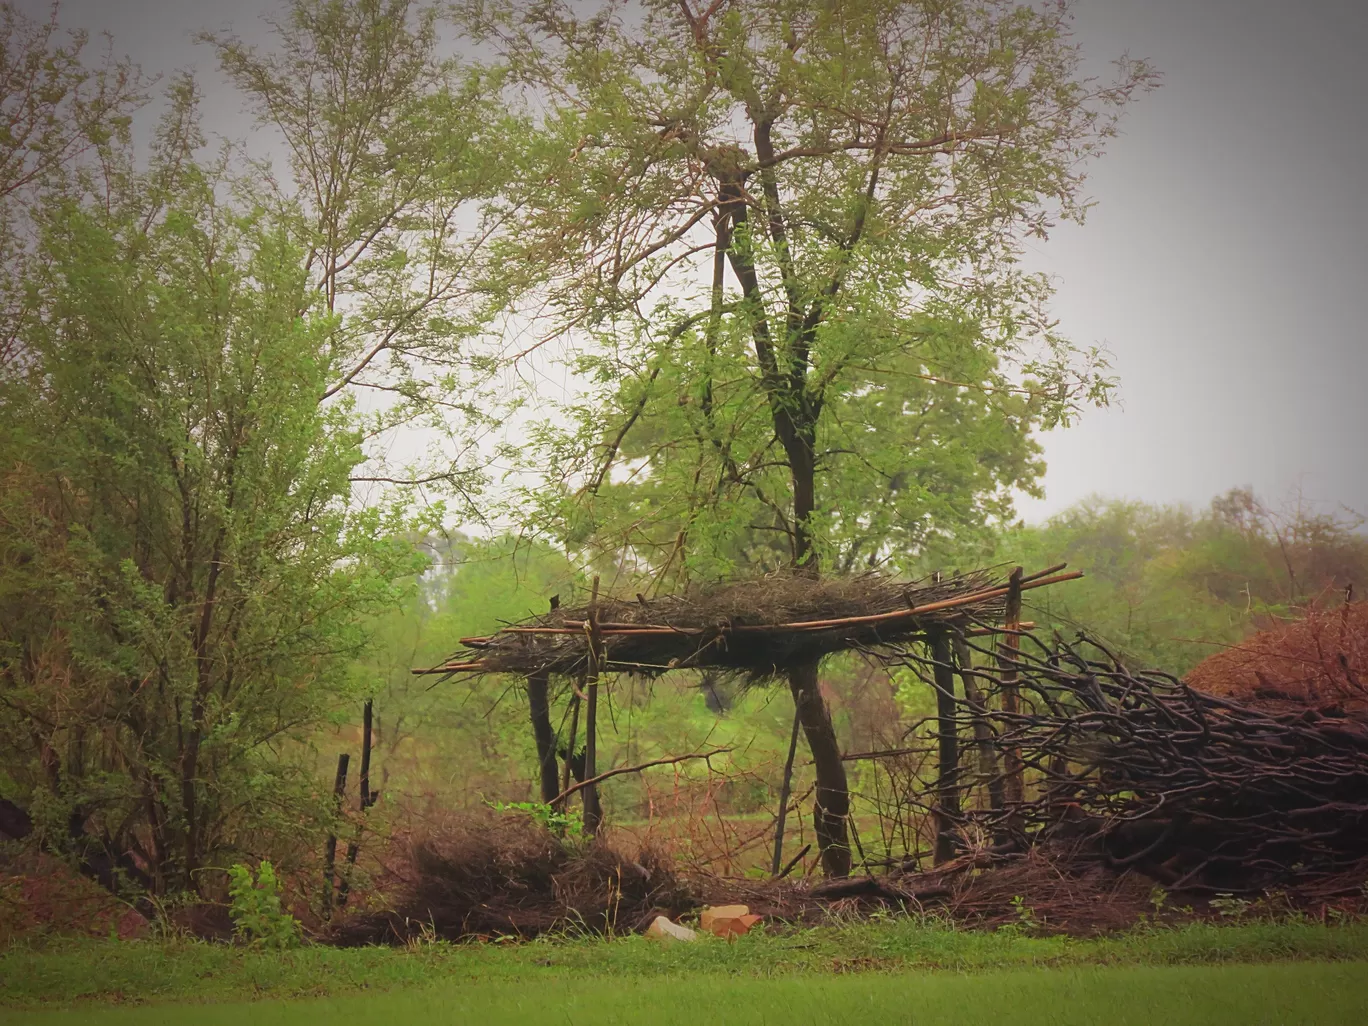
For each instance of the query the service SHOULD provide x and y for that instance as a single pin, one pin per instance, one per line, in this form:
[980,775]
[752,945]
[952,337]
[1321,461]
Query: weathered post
[367,800]
[785,786]
[330,852]
[593,810]
[947,792]
[539,708]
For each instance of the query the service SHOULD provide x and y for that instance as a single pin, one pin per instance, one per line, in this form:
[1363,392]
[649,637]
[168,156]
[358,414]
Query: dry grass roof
[758,628]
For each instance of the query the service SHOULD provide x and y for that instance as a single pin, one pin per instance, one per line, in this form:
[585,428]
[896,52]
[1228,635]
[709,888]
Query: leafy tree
[56,110]
[184,575]
[393,157]
[782,237]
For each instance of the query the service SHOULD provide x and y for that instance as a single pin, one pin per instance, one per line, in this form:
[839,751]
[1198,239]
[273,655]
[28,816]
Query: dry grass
[736,626]
[488,875]
[1318,662]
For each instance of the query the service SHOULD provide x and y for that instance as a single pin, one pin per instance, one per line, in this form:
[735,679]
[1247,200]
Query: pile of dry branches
[757,627]
[1141,771]
[496,876]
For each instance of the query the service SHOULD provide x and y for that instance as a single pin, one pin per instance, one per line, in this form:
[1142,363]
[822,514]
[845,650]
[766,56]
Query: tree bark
[539,704]
[833,794]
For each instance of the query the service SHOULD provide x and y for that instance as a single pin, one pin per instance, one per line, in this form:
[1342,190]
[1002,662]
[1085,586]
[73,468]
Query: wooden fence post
[539,708]
[367,799]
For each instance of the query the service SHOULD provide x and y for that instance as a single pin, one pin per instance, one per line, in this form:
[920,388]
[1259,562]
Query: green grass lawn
[881,959]
[1315,994]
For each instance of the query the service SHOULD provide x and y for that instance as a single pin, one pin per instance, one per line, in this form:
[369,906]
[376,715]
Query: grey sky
[1225,266]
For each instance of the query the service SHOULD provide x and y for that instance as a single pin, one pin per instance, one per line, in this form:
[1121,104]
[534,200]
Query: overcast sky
[1225,265]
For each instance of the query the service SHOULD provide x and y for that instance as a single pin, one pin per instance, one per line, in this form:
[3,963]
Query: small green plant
[560,822]
[256,912]
[1157,897]
[1025,918]
[1231,907]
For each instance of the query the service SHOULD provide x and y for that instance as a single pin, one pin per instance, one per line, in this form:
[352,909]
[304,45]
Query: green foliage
[783,242]
[255,908]
[184,574]
[395,154]
[1166,586]
[568,824]
[433,732]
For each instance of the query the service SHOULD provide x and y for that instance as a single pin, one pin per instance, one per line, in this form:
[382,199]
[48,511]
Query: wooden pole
[785,787]
[330,852]
[367,798]
[593,810]
[947,793]
[1014,784]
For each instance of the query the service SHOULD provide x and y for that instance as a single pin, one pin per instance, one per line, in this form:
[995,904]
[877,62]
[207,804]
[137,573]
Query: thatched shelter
[780,625]
[758,628]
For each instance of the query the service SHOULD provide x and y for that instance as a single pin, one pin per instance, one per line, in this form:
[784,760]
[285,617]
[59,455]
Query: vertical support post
[539,709]
[367,800]
[330,852]
[785,787]
[593,810]
[367,797]
[947,793]
[1014,784]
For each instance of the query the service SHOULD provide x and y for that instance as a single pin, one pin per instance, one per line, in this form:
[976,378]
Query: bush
[257,916]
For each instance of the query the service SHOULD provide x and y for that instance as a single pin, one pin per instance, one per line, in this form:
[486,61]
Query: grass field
[1314,994]
[87,981]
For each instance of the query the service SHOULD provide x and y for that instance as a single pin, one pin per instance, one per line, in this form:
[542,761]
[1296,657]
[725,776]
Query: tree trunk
[538,701]
[833,794]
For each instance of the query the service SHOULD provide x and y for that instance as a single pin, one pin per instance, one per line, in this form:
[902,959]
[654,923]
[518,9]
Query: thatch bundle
[758,627]
[1318,662]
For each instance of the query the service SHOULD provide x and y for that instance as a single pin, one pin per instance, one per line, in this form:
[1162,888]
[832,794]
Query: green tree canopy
[184,575]
[783,238]
[394,156]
